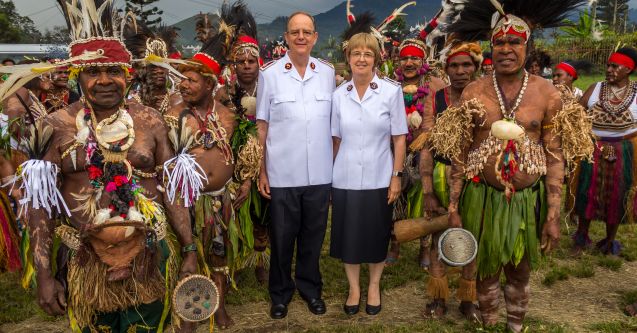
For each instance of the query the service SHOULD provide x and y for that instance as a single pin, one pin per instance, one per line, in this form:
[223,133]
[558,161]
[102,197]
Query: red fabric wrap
[510,32]
[622,59]
[113,50]
[487,61]
[208,61]
[175,55]
[245,39]
[458,54]
[570,70]
[411,50]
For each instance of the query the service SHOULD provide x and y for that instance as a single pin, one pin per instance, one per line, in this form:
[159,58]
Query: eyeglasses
[296,33]
[365,55]
[412,59]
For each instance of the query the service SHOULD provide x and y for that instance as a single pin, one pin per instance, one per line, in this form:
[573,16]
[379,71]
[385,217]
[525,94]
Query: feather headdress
[364,23]
[245,38]
[487,19]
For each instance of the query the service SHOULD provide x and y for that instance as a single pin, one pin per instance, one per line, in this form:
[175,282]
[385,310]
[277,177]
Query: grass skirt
[505,230]
[604,187]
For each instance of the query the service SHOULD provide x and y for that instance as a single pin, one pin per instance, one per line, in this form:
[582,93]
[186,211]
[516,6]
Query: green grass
[555,274]
[16,303]
[612,263]
[628,325]
[583,269]
[583,82]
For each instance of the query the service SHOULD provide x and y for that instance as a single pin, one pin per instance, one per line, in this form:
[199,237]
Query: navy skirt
[361,225]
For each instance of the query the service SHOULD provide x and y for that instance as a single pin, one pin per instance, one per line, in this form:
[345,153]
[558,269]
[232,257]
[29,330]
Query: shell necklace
[510,115]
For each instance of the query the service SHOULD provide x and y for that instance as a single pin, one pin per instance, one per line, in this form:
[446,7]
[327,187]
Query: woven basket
[195,298]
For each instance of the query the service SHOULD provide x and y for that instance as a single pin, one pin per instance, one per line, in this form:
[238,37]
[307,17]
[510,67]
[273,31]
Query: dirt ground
[574,304]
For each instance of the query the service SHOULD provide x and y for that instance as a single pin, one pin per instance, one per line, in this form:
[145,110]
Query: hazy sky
[45,13]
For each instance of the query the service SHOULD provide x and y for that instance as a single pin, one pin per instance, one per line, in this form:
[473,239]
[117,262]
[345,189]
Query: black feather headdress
[476,19]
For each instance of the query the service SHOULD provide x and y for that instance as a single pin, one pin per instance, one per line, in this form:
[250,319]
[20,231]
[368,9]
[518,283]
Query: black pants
[298,214]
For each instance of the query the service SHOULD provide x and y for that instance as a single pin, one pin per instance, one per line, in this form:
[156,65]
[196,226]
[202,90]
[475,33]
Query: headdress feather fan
[473,20]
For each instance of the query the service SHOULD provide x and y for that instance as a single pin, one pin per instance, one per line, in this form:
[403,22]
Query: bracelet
[192,247]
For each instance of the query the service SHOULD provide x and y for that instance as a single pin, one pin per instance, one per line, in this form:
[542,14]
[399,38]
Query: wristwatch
[397,174]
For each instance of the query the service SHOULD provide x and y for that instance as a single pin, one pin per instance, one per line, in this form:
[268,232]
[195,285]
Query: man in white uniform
[293,118]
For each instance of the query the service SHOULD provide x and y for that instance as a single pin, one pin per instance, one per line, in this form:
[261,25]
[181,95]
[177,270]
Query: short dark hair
[7,60]
[287,24]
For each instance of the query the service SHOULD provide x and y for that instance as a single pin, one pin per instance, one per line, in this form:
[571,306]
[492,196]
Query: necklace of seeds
[510,115]
[163,107]
[629,95]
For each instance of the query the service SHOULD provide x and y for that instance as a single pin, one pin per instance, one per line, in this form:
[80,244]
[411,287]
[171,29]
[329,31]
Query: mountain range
[330,23]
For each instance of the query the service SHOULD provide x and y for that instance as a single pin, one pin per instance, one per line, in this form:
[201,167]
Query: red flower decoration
[94,172]
[410,109]
[475,179]
[120,180]
[110,187]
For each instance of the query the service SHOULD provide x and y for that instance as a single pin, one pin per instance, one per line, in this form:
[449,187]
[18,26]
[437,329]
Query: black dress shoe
[316,306]
[373,310]
[278,311]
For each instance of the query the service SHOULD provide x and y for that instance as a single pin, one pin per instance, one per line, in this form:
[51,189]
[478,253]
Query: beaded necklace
[610,107]
[163,107]
[211,132]
[510,115]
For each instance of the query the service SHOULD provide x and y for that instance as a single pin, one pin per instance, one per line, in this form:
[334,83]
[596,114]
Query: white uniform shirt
[297,110]
[365,160]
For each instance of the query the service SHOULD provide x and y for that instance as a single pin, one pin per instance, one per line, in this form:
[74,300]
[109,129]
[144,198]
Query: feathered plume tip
[350,17]
[90,18]
[169,35]
[240,17]
[135,33]
[472,20]
[182,174]
[219,44]
[363,23]
[394,15]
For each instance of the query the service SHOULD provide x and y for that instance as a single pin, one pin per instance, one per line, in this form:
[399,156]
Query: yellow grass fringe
[419,143]
[438,287]
[454,128]
[467,290]
[575,127]
[90,292]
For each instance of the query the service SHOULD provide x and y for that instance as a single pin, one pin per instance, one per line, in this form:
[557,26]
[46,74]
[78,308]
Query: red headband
[245,39]
[458,54]
[209,61]
[622,59]
[487,61]
[510,32]
[411,50]
[570,70]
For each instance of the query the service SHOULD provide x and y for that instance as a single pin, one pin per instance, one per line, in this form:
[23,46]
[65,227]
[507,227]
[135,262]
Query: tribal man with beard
[152,65]
[461,62]
[208,164]
[418,85]
[506,139]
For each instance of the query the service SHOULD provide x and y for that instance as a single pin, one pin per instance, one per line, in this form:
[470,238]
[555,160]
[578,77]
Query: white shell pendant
[414,119]
[410,89]
[250,104]
[507,130]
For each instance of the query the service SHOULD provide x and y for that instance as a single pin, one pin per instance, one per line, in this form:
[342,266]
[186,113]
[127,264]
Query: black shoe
[278,311]
[351,309]
[316,306]
[373,310]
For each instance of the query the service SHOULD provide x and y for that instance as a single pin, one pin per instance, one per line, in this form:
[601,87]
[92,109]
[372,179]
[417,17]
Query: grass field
[568,295]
